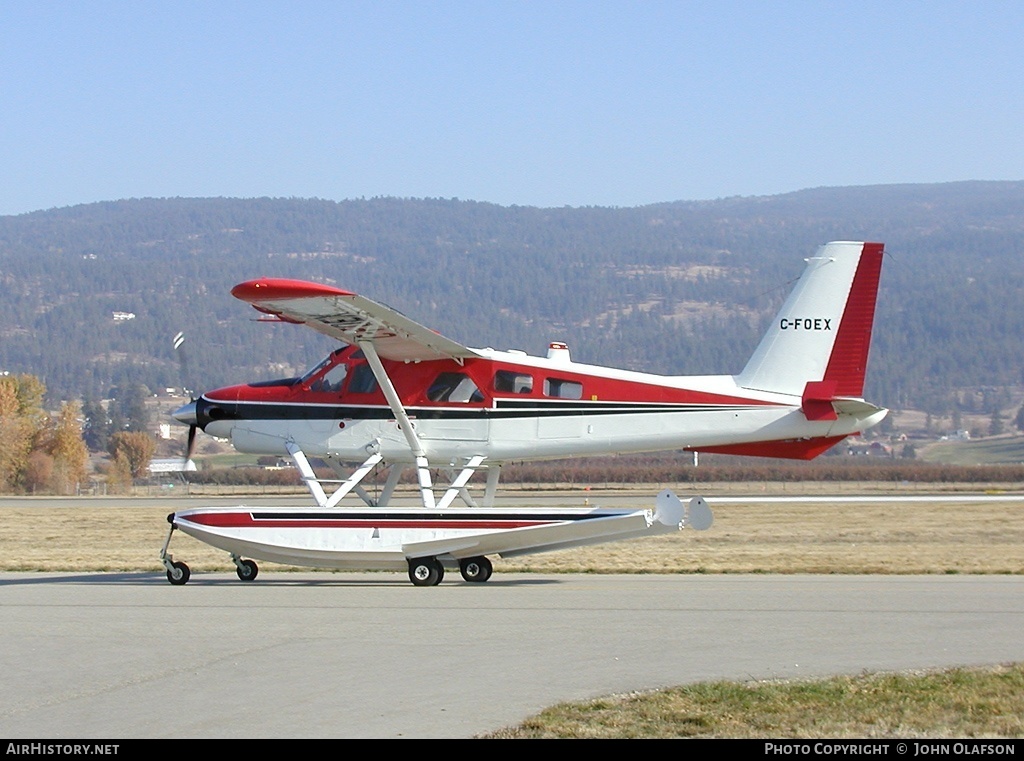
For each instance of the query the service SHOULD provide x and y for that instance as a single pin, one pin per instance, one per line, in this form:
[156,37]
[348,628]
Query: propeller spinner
[187,414]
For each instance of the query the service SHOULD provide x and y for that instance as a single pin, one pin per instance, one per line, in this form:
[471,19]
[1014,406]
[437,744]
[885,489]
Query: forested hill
[683,287]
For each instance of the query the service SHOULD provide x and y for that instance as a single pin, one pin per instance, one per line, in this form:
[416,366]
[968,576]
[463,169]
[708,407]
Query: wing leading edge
[349,317]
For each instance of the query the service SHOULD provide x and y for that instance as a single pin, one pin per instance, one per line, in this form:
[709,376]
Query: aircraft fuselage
[509,406]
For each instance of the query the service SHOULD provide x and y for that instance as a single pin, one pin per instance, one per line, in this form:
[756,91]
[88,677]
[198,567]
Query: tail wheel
[425,572]
[247,570]
[476,569]
[178,574]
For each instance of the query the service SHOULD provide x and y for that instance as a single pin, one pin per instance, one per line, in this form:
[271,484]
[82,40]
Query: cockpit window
[316,368]
[361,380]
[454,387]
[331,380]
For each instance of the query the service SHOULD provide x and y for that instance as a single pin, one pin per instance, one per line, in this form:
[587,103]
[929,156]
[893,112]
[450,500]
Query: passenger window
[563,389]
[363,380]
[454,387]
[512,382]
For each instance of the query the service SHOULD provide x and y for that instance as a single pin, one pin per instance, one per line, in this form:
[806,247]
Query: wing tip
[276,289]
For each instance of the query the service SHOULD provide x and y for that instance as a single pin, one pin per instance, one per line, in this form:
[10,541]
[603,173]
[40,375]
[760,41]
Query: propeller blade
[191,442]
[179,349]
[187,413]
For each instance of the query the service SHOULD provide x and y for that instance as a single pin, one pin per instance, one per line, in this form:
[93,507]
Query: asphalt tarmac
[368,655]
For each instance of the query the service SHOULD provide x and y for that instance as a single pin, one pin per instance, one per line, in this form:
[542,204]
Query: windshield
[317,368]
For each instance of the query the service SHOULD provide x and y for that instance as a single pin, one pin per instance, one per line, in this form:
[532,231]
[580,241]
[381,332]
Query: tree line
[47,453]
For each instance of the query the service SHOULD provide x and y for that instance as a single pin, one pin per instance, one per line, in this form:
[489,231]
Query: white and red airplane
[399,395]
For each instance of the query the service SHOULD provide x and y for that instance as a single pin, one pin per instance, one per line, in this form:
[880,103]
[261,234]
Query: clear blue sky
[532,103]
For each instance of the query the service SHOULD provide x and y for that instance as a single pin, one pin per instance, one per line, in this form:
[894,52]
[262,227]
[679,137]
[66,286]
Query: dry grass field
[941,530]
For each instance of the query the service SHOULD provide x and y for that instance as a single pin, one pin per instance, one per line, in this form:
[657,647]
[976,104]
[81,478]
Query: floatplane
[397,396]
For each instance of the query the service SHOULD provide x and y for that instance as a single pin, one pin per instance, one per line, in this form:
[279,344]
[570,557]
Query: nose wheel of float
[246,569]
[178,573]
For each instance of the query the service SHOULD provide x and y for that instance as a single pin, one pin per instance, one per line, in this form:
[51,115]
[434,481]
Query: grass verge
[954,703]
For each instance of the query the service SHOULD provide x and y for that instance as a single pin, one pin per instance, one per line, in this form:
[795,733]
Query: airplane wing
[349,317]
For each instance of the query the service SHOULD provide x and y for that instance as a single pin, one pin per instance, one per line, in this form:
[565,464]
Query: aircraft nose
[186,414]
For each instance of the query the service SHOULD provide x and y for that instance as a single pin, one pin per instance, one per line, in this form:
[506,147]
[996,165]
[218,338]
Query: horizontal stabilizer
[856,407]
[819,402]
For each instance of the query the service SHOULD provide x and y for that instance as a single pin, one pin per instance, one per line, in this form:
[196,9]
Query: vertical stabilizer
[817,346]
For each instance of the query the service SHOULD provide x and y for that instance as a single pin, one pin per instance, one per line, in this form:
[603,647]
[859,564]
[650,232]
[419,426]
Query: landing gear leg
[177,572]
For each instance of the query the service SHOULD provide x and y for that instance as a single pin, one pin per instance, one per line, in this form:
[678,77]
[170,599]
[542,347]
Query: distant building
[172,465]
[123,316]
[874,449]
[961,435]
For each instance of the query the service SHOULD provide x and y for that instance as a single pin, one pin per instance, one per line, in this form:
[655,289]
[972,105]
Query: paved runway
[303,655]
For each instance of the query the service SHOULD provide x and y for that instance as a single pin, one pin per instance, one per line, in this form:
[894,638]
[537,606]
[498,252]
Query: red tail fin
[849,360]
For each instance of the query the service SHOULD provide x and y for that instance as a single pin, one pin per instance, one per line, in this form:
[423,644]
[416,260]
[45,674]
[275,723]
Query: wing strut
[313,483]
[307,473]
[353,481]
[422,466]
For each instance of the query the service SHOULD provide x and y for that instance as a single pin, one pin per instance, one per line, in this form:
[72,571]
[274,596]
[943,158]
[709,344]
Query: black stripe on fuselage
[518,409]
